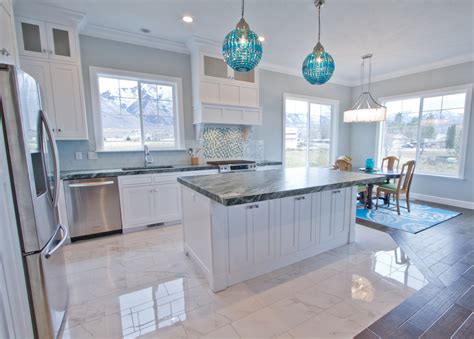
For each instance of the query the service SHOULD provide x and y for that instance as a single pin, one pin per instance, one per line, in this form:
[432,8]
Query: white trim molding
[443,201]
[134,38]
[334,143]
[177,83]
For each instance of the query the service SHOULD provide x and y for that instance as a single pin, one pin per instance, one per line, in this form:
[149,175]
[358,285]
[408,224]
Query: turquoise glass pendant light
[241,49]
[318,66]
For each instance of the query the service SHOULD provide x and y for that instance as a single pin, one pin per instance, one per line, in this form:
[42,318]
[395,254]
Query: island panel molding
[238,226]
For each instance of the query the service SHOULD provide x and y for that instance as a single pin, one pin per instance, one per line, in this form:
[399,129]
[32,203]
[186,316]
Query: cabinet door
[339,210]
[168,204]
[39,70]
[263,232]
[306,237]
[7,37]
[326,227]
[61,42]
[240,237]
[138,206]
[68,101]
[32,38]
[288,226]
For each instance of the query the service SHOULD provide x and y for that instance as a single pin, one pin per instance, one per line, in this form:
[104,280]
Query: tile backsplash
[230,143]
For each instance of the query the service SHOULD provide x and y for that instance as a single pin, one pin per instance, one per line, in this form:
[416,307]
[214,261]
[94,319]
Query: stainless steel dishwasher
[93,207]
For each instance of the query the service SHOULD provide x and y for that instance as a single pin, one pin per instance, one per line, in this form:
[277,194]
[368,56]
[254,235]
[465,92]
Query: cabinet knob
[5,52]
[50,52]
[59,130]
[249,207]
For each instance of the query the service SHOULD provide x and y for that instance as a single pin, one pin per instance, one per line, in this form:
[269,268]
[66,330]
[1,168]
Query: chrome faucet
[148,157]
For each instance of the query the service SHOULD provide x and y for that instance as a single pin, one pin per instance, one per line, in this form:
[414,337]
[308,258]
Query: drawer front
[131,180]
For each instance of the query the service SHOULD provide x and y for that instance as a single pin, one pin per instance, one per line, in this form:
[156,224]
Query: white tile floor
[142,284]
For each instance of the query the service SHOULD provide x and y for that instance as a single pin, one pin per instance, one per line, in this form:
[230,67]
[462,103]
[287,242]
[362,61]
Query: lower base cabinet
[151,198]
[251,239]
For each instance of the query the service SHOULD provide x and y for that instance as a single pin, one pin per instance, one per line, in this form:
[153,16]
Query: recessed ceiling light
[145,30]
[188,19]
[261,38]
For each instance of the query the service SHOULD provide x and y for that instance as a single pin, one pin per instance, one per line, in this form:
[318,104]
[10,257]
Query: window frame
[422,95]
[333,145]
[177,83]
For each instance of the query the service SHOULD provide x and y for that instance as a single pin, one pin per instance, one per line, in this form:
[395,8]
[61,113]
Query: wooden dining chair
[402,187]
[392,162]
[343,164]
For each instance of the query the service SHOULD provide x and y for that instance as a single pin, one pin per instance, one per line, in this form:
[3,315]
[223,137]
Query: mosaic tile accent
[223,143]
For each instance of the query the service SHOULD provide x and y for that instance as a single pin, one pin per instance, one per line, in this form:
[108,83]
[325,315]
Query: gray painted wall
[362,141]
[112,54]
[272,87]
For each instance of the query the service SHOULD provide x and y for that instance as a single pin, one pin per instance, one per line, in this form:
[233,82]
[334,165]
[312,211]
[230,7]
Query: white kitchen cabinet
[334,219]
[7,34]
[234,115]
[168,202]
[68,101]
[296,227]
[46,40]
[250,235]
[152,198]
[138,205]
[222,95]
[61,95]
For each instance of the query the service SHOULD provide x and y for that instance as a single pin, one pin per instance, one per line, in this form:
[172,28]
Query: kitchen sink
[149,168]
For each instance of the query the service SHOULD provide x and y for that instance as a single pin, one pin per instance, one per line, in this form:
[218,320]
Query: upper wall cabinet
[7,34]
[222,95]
[46,40]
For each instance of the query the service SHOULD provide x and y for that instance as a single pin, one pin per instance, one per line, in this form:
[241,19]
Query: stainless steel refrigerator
[33,160]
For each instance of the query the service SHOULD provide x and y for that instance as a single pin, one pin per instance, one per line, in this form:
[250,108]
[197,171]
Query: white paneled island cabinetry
[232,244]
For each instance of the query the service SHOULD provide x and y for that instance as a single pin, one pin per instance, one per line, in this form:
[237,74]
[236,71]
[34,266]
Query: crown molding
[423,68]
[51,13]
[134,38]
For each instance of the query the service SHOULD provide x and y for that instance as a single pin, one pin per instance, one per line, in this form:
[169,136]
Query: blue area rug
[419,219]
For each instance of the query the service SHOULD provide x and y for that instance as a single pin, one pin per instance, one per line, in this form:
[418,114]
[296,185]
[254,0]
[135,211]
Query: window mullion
[142,132]
[418,136]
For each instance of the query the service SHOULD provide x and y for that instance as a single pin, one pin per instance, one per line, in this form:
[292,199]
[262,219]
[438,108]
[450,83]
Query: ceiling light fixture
[365,109]
[318,66]
[242,49]
[188,19]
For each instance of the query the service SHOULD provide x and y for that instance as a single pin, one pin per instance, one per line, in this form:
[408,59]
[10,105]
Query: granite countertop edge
[107,173]
[278,194]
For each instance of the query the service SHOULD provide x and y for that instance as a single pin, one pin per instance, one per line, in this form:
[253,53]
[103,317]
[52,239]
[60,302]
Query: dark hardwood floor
[443,308]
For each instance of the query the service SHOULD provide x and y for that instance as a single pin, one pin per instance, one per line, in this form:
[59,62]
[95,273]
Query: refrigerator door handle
[45,120]
[64,236]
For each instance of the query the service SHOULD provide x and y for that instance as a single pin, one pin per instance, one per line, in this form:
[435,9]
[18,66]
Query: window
[309,131]
[134,109]
[429,127]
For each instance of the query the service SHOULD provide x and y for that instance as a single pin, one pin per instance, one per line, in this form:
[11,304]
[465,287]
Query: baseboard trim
[444,201]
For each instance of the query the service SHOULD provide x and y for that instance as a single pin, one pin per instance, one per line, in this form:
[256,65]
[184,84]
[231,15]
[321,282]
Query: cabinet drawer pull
[249,207]
[335,192]
[300,198]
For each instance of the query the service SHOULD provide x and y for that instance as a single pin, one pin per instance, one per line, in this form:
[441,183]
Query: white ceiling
[404,35]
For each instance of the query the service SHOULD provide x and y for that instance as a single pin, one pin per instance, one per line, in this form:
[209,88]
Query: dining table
[389,175]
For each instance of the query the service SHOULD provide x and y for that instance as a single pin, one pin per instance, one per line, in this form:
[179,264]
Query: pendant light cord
[319,22]
[243,7]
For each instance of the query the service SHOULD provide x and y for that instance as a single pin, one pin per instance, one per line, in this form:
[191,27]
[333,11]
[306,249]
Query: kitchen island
[240,225]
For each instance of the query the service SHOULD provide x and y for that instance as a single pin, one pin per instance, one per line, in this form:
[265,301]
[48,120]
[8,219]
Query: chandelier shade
[366,108]
[241,49]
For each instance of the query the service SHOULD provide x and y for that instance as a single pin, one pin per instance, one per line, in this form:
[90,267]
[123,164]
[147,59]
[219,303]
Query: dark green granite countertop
[104,173]
[245,187]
